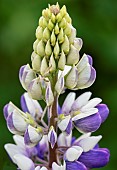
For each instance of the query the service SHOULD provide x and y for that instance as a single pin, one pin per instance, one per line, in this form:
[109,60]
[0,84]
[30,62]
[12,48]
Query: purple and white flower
[87,115]
[32,136]
[18,120]
[84,153]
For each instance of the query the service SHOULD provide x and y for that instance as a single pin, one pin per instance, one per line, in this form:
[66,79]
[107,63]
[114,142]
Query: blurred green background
[96,24]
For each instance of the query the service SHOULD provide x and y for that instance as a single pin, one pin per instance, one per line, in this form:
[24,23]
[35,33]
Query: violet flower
[43,136]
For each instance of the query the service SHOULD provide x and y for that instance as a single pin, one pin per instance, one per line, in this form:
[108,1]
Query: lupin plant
[43,136]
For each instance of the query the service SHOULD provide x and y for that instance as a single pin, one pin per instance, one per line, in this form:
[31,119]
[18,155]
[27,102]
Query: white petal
[64,123]
[64,140]
[73,153]
[44,140]
[43,168]
[84,76]
[68,103]
[33,106]
[85,114]
[19,140]
[69,139]
[66,70]
[34,136]
[13,150]
[61,140]
[85,135]
[89,143]
[92,103]
[82,63]
[81,100]
[18,122]
[37,168]
[55,166]
[23,162]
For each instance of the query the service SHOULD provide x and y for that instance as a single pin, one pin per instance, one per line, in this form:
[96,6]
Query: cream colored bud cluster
[56,44]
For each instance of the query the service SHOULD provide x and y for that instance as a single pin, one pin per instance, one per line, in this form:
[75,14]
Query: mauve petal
[88,124]
[92,78]
[58,109]
[52,139]
[96,146]
[76,165]
[95,158]
[69,127]
[10,124]
[103,111]
[21,72]
[27,137]
[23,104]
[69,100]
[5,111]
[41,150]
[90,60]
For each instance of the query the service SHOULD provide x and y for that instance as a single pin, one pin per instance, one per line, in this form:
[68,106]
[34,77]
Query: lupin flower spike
[43,137]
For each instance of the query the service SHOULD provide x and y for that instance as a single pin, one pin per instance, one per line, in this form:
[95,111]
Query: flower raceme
[34,137]
[77,153]
[43,135]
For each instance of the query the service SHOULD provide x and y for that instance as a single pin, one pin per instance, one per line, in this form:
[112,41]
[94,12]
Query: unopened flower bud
[41,48]
[33,136]
[35,45]
[34,89]
[54,9]
[56,50]
[53,18]
[65,124]
[44,66]
[50,25]
[48,49]
[46,34]
[59,87]
[62,61]
[67,30]
[49,97]
[53,38]
[67,17]
[65,45]
[41,21]
[78,43]
[63,23]
[73,35]
[73,56]
[61,36]
[36,62]
[45,23]
[63,11]
[72,78]
[39,33]
[46,13]
[59,17]
[52,136]
[52,64]
[56,29]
